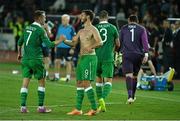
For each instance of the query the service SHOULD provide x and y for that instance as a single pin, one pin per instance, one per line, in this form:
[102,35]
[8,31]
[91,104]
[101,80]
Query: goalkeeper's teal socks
[24,92]
[79,98]
[41,95]
[107,89]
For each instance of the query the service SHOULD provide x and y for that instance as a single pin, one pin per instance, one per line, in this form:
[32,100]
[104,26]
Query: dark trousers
[168,58]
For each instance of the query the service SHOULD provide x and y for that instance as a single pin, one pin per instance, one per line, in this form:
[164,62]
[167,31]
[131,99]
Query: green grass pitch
[60,96]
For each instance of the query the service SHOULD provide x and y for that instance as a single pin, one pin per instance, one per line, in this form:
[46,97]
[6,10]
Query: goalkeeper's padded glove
[118,59]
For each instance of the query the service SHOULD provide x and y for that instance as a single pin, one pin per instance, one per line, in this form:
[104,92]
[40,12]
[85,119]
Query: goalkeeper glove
[118,59]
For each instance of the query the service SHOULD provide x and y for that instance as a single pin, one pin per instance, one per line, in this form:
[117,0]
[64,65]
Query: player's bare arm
[19,56]
[20,44]
[59,40]
[117,44]
[97,38]
[74,41]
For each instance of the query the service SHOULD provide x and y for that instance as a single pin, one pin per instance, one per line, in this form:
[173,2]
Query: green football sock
[91,97]
[41,95]
[24,92]
[107,89]
[99,90]
[79,98]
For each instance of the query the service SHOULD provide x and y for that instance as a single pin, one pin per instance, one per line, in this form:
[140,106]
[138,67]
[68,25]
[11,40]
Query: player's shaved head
[133,18]
[89,13]
[103,14]
[38,13]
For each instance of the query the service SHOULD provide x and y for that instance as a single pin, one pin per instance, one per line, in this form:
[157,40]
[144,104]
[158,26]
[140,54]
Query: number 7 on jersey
[30,32]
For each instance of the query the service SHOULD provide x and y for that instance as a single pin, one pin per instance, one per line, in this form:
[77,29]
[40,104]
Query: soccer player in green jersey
[32,58]
[89,39]
[105,55]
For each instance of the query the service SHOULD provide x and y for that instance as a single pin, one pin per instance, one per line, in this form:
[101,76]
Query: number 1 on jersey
[30,32]
[132,34]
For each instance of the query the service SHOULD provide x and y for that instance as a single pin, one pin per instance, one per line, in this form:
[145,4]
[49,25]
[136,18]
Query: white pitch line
[110,103]
[115,92]
[70,105]
[55,106]
[10,110]
[153,97]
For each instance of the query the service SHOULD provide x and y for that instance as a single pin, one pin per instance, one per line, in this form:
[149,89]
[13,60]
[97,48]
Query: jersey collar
[35,23]
[103,22]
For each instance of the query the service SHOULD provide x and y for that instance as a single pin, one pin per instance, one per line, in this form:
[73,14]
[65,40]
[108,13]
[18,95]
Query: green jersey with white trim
[32,39]
[108,34]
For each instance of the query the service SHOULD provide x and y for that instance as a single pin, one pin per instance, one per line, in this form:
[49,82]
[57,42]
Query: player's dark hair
[89,13]
[38,13]
[103,14]
[133,18]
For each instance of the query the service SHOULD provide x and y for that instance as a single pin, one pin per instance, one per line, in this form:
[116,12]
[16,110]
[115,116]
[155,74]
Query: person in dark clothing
[167,45]
[134,42]
[177,49]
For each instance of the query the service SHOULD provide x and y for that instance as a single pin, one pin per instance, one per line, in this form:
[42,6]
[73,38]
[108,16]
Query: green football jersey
[32,39]
[108,34]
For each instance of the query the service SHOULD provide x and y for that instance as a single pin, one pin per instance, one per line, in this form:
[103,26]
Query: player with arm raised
[89,39]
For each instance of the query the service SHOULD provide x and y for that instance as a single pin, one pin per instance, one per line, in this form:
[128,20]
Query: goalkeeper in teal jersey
[32,58]
[105,54]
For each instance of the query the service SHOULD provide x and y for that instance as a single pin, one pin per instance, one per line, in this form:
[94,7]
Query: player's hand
[89,49]
[46,27]
[118,59]
[145,59]
[71,51]
[48,31]
[86,50]
[55,49]
[61,38]
[19,57]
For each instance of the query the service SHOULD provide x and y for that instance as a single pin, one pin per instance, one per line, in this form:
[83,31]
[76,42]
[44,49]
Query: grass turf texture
[60,97]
